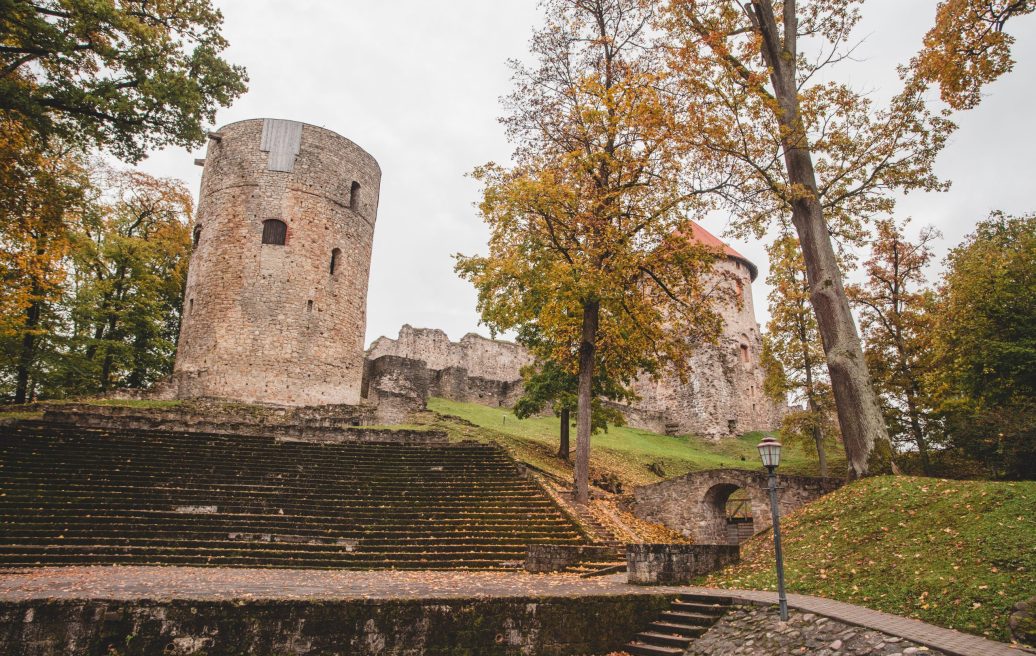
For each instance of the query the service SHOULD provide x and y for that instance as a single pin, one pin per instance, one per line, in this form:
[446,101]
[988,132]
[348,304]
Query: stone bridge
[724,506]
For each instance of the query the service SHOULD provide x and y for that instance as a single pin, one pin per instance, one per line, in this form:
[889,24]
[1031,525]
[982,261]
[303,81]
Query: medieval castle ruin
[722,396]
[276,301]
[275,305]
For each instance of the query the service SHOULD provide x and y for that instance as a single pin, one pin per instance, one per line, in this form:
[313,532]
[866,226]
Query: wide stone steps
[688,617]
[71,496]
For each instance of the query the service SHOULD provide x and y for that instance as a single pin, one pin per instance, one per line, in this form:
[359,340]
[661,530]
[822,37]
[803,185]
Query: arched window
[335,254]
[354,197]
[197,234]
[274,232]
[744,353]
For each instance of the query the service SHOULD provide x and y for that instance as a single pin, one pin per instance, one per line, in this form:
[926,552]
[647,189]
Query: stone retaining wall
[546,626]
[309,424]
[543,558]
[676,564]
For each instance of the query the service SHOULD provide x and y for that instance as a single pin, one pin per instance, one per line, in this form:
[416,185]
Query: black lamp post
[770,452]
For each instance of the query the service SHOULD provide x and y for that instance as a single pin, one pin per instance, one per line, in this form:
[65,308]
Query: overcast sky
[417,84]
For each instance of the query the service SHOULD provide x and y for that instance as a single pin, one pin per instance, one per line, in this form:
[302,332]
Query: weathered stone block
[676,564]
[542,558]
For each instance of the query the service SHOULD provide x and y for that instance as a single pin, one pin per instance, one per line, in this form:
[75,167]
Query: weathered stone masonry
[722,396]
[276,322]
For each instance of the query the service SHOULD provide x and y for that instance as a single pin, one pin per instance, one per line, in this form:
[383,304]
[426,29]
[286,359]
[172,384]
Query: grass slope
[626,452]
[954,553]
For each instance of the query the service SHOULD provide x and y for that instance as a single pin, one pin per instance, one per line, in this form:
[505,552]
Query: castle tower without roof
[275,307]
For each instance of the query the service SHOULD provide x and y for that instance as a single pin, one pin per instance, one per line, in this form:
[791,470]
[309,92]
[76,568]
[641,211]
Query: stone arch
[728,510]
[694,504]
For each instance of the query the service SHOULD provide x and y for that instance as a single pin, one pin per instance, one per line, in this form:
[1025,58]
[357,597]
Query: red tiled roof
[703,236]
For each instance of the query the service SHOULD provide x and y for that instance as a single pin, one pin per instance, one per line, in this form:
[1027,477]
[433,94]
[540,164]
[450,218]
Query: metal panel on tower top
[281,139]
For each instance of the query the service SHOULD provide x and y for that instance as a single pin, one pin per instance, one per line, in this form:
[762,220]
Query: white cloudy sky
[417,84]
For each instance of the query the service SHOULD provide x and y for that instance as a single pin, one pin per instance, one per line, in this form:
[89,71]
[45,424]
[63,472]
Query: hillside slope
[634,456]
[954,553]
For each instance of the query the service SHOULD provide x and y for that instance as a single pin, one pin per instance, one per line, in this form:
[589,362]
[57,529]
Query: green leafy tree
[793,357]
[985,346]
[553,385]
[123,75]
[130,268]
[895,313]
[45,196]
[588,228]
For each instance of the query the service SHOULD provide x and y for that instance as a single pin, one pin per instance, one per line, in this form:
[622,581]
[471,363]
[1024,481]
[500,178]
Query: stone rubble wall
[676,564]
[721,397]
[757,631]
[512,626]
[694,504]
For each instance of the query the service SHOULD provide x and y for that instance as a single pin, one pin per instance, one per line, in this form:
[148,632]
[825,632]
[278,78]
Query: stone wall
[517,626]
[676,564]
[695,504]
[721,396]
[543,558]
[265,322]
[491,359]
[310,424]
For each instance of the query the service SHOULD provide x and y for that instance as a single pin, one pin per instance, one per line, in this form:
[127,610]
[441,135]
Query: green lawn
[626,452]
[954,553]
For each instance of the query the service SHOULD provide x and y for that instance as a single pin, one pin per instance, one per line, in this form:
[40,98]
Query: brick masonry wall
[271,323]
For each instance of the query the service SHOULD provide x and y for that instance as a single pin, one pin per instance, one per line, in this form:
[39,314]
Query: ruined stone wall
[267,322]
[490,359]
[722,395]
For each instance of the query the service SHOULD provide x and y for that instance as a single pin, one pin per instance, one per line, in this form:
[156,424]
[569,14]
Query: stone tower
[275,307]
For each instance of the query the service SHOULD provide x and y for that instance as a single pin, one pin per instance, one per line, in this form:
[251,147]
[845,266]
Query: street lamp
[770,452]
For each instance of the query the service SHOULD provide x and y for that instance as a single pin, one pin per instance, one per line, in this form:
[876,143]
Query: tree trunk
[564,448]
[864,434]
[915,427]
[27,352]
[587,348]
[818,437]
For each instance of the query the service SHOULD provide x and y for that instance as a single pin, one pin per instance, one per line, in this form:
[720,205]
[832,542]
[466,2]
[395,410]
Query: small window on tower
[197,234]
[335,255]
[354,197]
[274,232]
[744,353]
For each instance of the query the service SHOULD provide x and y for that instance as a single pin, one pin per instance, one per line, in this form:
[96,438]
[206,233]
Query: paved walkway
[946,640]
[214,584]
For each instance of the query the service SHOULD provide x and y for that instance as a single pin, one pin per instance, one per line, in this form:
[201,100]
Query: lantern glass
[770,452]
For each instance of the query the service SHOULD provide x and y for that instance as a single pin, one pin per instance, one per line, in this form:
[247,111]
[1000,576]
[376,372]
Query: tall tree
[895,310]
[793,357]
[551,384]
[123,75]
[588,227]
[45,195]
[985,346]
[968,47]
[801,144]
[130,267]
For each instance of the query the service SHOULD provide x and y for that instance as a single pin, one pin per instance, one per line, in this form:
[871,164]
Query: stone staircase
[615,560]
[80,496]
[689,617]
